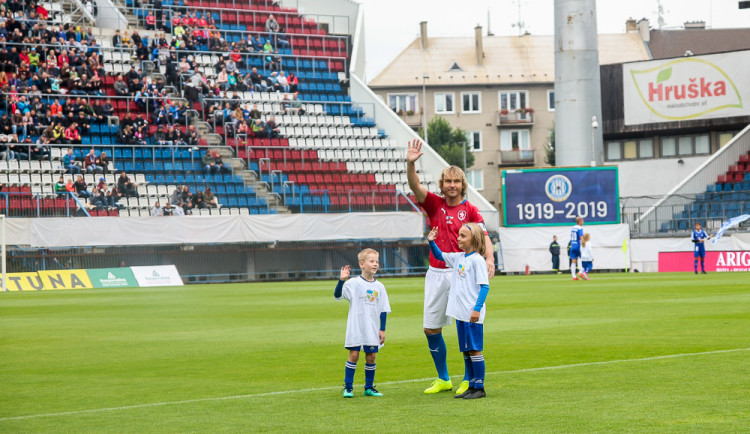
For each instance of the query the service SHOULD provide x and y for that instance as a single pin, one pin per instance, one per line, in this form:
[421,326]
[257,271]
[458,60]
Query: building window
[613,151]
[512,140]
[444,103]
[513,100]
[403,102]
[474,178]
[475,140]
[630,150]
[685,145]
[471,102]
[551,100]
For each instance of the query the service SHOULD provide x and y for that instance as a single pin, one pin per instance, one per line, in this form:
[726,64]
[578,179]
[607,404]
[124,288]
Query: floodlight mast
[577,83]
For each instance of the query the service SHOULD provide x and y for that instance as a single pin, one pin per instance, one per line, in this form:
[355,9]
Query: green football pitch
[633,353]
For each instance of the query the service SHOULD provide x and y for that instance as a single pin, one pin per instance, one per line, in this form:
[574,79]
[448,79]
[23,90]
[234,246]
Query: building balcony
[515,119]
[413,120]
[516,157]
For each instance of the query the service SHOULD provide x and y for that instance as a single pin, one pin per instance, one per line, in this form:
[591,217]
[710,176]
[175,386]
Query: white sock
[573,269]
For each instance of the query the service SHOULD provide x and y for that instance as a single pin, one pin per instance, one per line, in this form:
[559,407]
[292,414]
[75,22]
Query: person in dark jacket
[554,249]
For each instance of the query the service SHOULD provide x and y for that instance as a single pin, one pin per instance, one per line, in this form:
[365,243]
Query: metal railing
[706,174]
[26,204]
[679,212]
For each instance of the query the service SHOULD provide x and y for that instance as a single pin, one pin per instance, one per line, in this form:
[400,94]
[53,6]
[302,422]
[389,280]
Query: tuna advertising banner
[687,88]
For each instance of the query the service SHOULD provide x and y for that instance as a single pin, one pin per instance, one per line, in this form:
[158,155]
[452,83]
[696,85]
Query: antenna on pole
[520,24]
[489,29]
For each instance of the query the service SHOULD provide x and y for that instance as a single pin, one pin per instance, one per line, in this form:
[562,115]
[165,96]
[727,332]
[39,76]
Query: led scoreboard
[556,196]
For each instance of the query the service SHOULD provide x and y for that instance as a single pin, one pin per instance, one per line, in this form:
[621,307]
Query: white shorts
[437,285]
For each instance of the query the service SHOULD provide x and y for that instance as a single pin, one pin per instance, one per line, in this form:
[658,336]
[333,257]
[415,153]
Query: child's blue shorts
[470,336]
[365,348]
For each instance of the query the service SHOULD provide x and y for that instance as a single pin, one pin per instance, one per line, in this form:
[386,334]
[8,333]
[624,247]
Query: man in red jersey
[448,213]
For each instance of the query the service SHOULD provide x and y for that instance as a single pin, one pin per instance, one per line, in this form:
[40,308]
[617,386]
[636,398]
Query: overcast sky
[390,25]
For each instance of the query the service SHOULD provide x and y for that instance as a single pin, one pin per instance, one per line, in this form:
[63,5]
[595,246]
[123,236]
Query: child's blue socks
[349,374]
[477,363]
[439,355]
[369,375]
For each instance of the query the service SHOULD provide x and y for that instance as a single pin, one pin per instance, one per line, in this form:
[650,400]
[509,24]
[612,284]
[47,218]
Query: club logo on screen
[558,188]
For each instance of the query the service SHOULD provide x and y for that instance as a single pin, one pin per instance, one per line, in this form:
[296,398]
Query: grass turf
[243,357]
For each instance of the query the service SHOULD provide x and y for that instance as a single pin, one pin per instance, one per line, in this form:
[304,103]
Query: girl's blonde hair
[585,239]
[477,238]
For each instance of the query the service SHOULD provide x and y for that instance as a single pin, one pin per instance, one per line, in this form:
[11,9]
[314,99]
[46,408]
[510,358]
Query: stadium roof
[507,60]
[674,43]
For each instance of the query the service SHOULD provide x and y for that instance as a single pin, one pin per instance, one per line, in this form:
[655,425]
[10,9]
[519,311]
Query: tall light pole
[424,105]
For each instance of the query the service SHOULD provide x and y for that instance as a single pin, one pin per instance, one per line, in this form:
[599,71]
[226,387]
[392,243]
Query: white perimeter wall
[127,231]
[530,246]
[654,177]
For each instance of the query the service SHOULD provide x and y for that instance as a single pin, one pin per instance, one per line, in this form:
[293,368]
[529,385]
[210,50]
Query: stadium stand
[160,104]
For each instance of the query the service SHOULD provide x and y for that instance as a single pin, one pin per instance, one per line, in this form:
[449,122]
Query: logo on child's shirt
[371,295]
[461,269]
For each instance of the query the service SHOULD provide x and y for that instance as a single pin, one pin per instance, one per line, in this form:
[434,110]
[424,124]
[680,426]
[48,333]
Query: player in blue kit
[699,236]
[576,234]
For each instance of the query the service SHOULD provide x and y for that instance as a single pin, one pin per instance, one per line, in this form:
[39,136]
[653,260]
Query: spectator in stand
[92,163]
[150,21]
[157,211]
[81,187]
[292,105]
[60,189]
[258,83]
[167,209]
[272,130]
[209,199]
[272,27]
[127,41]
[187,200]
[69,162]
[283,82]
[121,87]
[40,152]
[104,162]
[70,186]
[72,136]
[117,39]
[258,128]
[293,82]
[126,187]
[198,201]
[178,210]
[176,196]
[209,164]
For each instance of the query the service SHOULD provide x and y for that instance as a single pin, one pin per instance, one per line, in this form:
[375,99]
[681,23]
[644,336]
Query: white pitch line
[414,380]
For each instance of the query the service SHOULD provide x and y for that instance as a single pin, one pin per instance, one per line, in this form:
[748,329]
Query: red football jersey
[449,220]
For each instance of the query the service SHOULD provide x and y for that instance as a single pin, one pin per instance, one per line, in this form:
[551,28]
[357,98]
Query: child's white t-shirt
[468,273]
[586,254]
[366,301]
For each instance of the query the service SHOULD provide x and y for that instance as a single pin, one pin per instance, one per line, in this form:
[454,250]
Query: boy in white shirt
[365,325]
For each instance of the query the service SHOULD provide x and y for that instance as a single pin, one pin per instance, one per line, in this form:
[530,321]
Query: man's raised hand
[413,151]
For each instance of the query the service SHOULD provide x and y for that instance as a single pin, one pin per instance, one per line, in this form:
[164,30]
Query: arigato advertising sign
[718,261]
[696,87]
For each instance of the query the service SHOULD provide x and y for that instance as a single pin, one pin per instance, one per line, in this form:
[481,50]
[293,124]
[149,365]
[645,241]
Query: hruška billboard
[688,88]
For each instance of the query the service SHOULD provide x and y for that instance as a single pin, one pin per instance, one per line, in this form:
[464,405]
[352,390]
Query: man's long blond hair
[453,172]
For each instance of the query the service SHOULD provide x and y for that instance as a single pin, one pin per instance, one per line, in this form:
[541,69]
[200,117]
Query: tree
[549,147]
[450,143]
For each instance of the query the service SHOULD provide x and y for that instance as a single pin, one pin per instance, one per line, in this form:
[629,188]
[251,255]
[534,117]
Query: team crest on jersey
[558,187]
[371,295]
[462,215]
